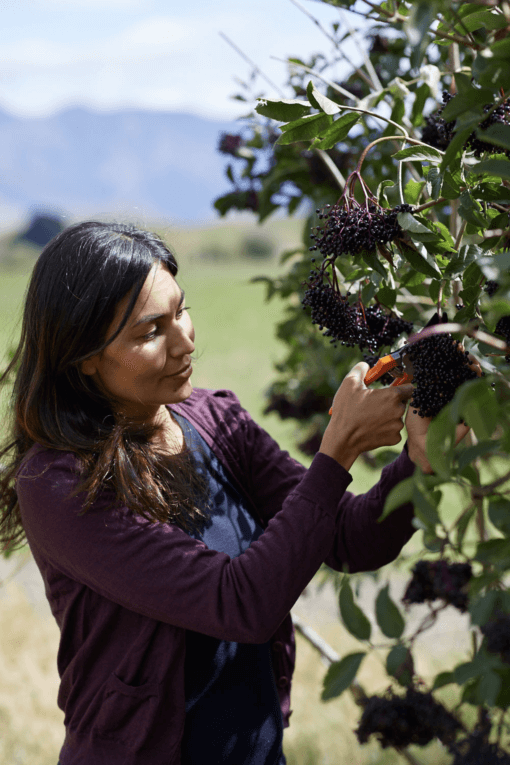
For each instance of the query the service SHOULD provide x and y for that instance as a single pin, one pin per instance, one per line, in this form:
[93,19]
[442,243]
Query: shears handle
[380,368]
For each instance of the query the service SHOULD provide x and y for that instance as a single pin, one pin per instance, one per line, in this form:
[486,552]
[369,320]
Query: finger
[359,371]
[461,431]
[404,392]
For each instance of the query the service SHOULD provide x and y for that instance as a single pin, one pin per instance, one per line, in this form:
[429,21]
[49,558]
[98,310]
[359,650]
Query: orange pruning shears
[398,364]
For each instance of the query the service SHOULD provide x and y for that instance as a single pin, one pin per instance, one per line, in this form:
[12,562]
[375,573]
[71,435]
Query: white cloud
[161,61]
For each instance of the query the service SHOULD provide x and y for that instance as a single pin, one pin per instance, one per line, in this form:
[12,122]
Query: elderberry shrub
[439,368]
[439,579]
[438,133]
[399,721]
[497,635]
[351,325]
[356,230]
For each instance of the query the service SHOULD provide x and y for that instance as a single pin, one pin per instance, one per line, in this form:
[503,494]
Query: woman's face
[149,362]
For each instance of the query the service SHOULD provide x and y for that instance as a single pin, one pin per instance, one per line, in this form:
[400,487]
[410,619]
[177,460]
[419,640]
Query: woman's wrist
[417,451]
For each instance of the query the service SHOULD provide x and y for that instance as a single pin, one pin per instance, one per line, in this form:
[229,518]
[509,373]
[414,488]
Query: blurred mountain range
[133,163]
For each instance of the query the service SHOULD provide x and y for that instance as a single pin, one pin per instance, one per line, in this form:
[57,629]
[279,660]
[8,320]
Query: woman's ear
[89,367]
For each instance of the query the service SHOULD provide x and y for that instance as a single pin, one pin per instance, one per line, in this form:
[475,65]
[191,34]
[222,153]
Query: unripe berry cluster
[355,230]
[439,579]
[350,325]
[438,133]
[399,721]
[439,368]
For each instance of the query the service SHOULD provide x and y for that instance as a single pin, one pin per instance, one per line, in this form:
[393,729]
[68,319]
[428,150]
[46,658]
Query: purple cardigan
[124,590]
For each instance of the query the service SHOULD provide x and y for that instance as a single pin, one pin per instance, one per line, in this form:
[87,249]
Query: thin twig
[331,84]
[359,72]
[252,63]
[368,64]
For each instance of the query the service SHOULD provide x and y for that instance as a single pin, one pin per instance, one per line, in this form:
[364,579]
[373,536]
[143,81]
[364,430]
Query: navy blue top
[233,714]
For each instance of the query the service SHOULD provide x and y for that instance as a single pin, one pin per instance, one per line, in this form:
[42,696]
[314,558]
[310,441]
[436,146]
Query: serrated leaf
[337,132]
[282,109]
[321,102]
[420,261]
[304,129]
[419,154]
[340,675]
[388,616]
[352,616]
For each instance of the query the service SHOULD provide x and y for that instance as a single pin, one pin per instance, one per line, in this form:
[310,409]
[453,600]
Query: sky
[163,55]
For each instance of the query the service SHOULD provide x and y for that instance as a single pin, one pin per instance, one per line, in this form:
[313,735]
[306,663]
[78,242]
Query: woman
[172,533]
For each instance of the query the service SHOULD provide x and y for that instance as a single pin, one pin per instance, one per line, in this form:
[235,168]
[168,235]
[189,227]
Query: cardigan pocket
[127,712]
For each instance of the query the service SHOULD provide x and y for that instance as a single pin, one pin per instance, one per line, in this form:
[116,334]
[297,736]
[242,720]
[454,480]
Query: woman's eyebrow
[155,316]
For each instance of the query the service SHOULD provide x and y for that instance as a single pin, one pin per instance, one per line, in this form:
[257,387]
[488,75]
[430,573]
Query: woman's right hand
[364,418]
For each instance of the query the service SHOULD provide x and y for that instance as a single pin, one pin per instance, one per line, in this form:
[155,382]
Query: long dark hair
[77,282]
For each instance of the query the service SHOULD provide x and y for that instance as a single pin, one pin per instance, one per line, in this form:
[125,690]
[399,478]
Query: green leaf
[498,135]
[400,665]
[373,261]
[425,507]
[420,261]
[467,456]
[401,494]
[463,524]
[389,618]
[441,443]
[495,552]
[340,675]
[499,514]
[337,132]
[387,296]
[381,190]
[498,167]
[444,678]
[419,153]
[352,616]
[475,403]
[434,182]
[469,101]
[282,109]
[482,20]
[412,191]
[489,687]
[323,103]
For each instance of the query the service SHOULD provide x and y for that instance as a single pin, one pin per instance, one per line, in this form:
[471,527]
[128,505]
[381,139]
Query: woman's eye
[150,335]
[182,309]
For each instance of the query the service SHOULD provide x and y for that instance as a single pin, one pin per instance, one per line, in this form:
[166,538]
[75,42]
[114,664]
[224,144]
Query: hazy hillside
[148,164]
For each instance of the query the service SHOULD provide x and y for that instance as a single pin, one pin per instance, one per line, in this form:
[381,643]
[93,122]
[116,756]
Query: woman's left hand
[417,428]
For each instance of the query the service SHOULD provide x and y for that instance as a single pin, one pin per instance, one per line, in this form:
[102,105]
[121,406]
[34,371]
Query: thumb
[405,391]
[359,371]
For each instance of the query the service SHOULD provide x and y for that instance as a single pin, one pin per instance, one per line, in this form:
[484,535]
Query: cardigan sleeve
[360,542]
[159,571]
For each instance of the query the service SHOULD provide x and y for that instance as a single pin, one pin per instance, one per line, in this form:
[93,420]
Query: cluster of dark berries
[439,579]
[229,143]
[497,635]
[399,721]
[503,329]
[303,407]
[356,230]
[439,368]
[351,325]
[491,287]
[438,133]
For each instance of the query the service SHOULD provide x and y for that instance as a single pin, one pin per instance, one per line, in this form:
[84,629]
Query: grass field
[236,348]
